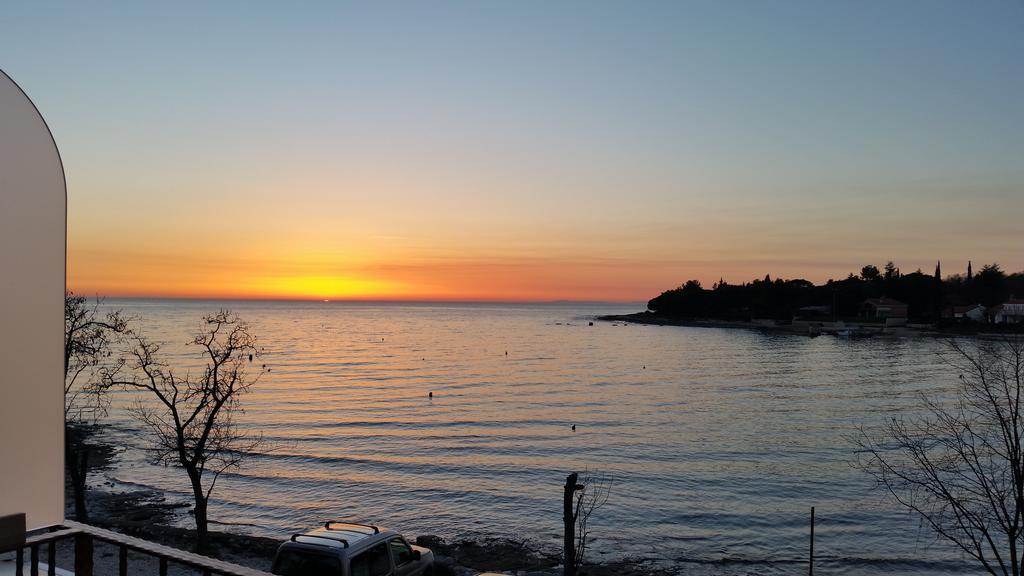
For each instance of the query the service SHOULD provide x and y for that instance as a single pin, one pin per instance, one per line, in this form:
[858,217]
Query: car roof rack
[327,525]
[344,542]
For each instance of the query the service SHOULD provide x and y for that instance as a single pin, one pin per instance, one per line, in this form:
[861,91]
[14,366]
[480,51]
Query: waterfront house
[1010,312]
[973,312]
[883,308]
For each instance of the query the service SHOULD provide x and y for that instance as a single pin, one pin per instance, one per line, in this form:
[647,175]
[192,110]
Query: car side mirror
[416,555]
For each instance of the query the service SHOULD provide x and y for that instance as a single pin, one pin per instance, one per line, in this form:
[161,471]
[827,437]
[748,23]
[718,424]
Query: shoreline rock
[147,514]
[652,319]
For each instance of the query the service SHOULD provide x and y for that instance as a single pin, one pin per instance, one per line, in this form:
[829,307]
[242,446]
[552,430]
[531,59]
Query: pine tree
[890,270]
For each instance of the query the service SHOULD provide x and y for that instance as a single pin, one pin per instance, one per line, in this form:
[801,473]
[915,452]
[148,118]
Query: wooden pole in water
[569,520]
[810,566]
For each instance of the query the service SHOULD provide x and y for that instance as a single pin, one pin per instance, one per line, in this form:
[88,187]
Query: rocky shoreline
[144,514]
[653,319]
[803,327]
[147,514]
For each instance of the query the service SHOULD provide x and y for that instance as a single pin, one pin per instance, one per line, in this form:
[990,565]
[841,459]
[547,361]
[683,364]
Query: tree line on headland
[926,295]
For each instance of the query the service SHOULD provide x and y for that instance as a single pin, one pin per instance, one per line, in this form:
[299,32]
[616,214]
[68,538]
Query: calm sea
[718,441]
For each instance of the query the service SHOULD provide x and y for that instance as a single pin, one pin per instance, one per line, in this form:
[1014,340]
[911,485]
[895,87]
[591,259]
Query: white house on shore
[974,312]
[1011,312]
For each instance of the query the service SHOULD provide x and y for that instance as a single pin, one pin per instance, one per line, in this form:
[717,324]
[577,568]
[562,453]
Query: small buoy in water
[264,366]
[250,357]
[573,427]
[430,394]
[506,352]
[590,323]
[645,367]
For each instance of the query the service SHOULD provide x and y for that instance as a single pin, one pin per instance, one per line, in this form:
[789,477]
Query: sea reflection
[718,441]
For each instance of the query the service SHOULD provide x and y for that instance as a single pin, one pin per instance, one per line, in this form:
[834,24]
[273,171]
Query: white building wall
[32,241]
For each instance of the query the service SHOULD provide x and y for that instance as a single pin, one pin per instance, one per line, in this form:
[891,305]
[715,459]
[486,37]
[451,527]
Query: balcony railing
[84,537]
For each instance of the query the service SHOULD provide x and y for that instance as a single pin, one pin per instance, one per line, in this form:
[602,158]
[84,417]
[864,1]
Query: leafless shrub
[959,465]
[593,495]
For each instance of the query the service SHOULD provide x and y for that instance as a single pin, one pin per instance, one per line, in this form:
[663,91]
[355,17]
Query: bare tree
[192,417]
[90,338]
[959,463]
[582,497]
[594,495]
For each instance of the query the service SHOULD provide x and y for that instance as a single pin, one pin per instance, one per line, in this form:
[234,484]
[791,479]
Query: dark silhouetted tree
[870,273]
[890,270]
[782,300]
[191,417]
[990,285]
[90,337]
[938,293]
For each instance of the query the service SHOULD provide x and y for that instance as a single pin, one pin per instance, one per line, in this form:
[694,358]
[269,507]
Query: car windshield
[304,563]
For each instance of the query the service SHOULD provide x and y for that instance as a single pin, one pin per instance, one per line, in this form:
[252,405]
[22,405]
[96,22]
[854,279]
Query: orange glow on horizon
[511,279]
[405,277]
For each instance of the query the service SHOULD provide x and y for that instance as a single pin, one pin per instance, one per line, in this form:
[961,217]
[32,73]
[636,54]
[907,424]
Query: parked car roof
[343,535]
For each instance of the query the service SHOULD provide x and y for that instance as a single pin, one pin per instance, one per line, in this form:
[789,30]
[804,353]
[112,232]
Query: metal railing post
[51,559]
[122,561]
[83,555]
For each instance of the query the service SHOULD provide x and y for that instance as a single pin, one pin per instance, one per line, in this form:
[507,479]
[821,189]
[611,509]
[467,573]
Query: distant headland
[873,301]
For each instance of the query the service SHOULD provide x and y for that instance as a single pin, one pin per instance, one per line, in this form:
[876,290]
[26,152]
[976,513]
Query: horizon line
[365,300]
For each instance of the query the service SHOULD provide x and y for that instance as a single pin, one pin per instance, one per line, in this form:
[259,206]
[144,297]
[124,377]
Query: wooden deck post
[810,566]
[569,520]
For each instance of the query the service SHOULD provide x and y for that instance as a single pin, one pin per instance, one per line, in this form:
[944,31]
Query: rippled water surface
[718,441]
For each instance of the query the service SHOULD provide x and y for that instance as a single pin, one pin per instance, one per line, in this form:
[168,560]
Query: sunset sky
[524,150]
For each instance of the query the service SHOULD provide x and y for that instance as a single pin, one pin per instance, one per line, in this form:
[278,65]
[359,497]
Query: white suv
[340,549]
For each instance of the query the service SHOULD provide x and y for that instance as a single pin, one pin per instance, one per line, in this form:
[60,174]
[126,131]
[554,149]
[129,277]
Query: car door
[373,562]
[405,561]
[306,563]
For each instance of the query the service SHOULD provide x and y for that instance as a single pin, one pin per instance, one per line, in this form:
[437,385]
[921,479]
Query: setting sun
[326,287]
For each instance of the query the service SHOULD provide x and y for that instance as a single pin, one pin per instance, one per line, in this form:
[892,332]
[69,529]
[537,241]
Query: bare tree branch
[90,338]
[959,464]
[593,495]
[191,418]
